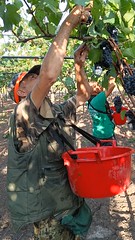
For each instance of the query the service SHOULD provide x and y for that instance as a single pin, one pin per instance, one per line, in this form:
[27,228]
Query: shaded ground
[113,218]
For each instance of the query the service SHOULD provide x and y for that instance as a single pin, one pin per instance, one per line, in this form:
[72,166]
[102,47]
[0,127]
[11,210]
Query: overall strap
[87,135]
[59,137]
[58,134]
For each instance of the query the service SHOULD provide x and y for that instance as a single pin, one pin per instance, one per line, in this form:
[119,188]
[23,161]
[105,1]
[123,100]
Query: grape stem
[128,67]
[122,95]
[120,69]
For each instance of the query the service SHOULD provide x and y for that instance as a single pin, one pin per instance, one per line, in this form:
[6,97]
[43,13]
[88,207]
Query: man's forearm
[53,60]
[83,88]
[111,86]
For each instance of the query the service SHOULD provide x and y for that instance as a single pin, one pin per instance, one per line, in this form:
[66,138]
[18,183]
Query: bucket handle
[75,157]
[109,140]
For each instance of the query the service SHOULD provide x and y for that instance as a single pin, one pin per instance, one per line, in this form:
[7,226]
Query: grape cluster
[107,57]
[131,119]
[106,60]
[113,32]
[129,83]
[106,54]
[89,21]
[117,103]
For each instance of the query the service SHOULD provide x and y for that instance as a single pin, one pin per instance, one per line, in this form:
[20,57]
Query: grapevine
[125,71]
[110,59]
[113,33]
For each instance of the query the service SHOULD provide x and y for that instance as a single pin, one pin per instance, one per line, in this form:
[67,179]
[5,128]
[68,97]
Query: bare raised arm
[111,86]
[53,61]
[84,90]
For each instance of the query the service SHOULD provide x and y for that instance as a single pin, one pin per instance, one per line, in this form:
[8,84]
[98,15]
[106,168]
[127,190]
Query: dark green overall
[37,181]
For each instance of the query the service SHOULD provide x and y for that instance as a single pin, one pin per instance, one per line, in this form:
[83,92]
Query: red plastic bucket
[99,172]
[119,118]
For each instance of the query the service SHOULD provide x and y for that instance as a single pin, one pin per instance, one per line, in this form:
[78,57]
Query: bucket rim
[78,151]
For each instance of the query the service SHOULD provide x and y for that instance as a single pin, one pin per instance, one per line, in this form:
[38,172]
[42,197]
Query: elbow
[48,76]
[87,95]
[84,93]
[82,98]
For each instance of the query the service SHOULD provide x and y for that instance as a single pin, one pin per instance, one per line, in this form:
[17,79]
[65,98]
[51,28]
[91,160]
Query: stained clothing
[71,227]
[37,182]
[103,127]
[51,229]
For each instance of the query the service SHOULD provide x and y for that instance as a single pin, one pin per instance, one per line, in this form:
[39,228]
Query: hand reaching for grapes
[79,14]
[80,54]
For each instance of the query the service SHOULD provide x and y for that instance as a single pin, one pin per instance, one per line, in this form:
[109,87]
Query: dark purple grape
[129,83]
[117,103]
[89,21]
[104,44]
[106,54]
[113,31]
[106,57]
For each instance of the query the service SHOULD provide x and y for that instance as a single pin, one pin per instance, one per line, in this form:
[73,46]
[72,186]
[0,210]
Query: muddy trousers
[51,229]
[72,226]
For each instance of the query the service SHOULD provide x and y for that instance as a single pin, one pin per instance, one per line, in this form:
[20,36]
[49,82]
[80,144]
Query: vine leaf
[82,2]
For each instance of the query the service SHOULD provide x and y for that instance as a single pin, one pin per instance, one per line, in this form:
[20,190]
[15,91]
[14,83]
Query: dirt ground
[113,218]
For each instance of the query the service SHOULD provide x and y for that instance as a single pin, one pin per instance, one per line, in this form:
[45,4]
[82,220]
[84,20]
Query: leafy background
[32,25]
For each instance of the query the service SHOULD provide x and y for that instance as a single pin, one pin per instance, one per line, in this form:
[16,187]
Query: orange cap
[16,87]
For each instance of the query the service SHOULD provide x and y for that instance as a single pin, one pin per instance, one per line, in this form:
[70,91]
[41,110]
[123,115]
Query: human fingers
[79,14]
[83,55]
[83,47]
[85,16]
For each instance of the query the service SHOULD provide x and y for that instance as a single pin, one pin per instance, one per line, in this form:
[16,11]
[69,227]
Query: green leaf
[125,6]
[53,6]
[2,10]
[81,2]
[18,4]
[11,17]
[115,4]
[19,30]
[119,16]
[132,37]
[51,28]
[125,30]
[109,18]
[122,114]
[112,72]
[97,10]
[55,18]
[105,81]
[69,83]
[129,52]
[129,18]
[99,27]
[94,55]
[91,31]
[83,30]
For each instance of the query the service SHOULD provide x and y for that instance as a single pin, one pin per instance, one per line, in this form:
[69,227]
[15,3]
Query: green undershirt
[103,127]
